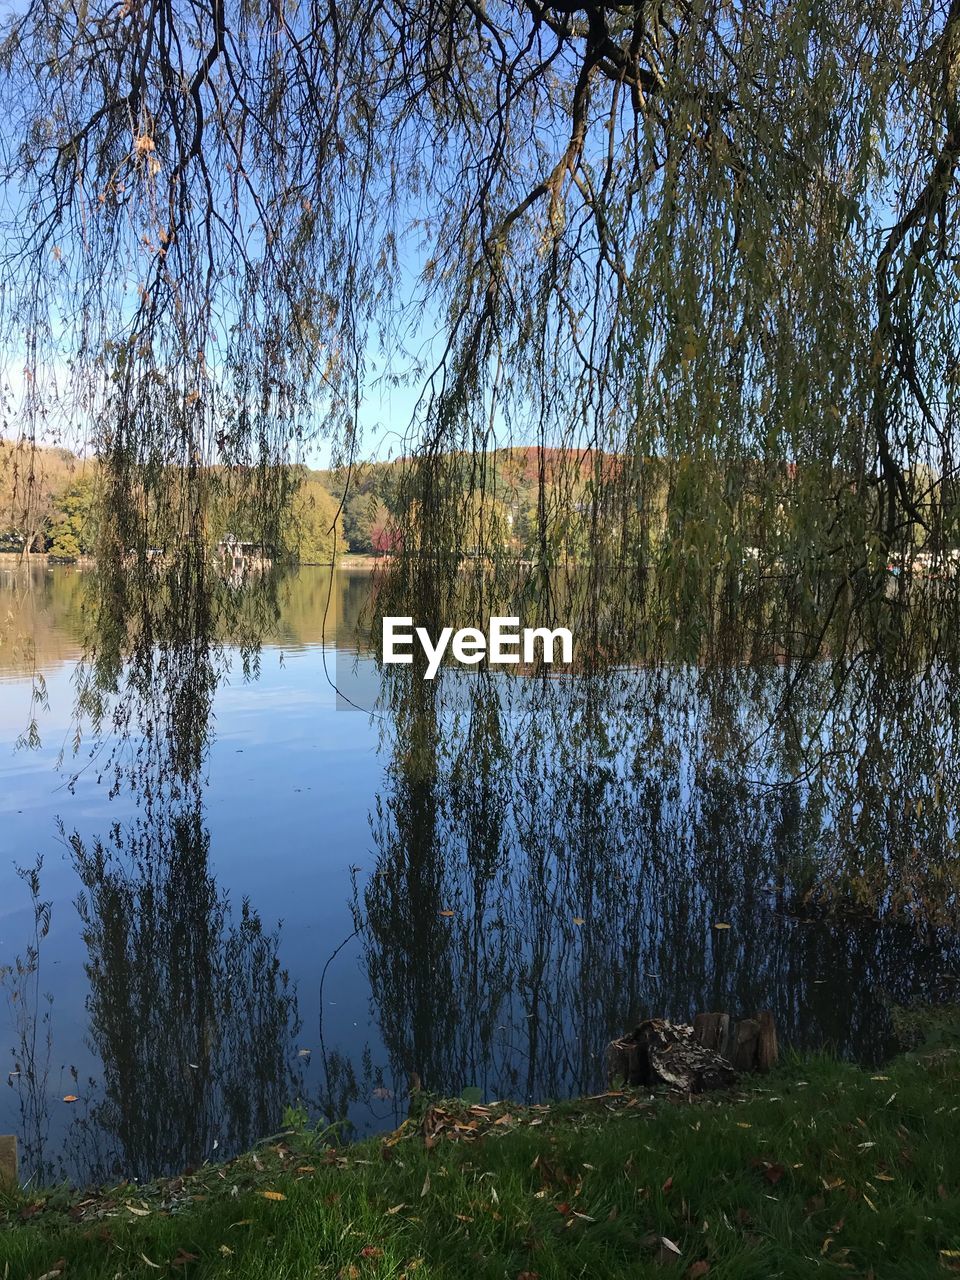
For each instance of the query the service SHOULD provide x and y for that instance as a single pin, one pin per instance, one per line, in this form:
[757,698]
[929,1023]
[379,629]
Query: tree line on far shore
[534,502]
[50,504]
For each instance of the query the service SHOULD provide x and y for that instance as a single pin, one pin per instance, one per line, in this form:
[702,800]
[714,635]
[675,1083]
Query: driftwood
[8,1160]
[708,1055]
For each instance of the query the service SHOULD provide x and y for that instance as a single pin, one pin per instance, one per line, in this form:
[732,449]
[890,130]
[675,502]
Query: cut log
[745,1044]
[713,1031]
[8,1160]
[658,1052]
[708,1055]
[750,1044]
[767,1049]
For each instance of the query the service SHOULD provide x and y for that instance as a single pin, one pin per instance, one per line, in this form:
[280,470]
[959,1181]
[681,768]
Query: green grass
[823,1169]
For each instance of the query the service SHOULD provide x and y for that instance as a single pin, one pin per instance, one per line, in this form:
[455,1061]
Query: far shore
[14,559]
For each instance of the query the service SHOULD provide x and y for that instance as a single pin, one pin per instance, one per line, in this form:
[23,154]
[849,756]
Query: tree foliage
[313,527]
[707,245]
[32,482]
[73,526]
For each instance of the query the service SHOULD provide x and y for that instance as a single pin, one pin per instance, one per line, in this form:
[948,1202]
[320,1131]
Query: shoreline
[13,560]
[819,1165]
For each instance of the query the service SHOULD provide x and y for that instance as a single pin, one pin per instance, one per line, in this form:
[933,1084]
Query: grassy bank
[822,1169]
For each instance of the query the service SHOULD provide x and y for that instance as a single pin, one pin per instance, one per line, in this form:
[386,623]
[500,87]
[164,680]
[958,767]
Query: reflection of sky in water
[647,850]
[290,784]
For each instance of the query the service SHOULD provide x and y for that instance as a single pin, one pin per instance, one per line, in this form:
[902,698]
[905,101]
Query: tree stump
[708,1055]
[768,1050]
[750,1044]
[8,1160]
[713,1032]
[668,1053]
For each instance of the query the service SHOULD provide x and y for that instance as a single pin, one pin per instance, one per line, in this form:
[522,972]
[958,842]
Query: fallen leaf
[140,1213]
[447,914]
[721,925]
[669,1251]
[426,1186]
[773,1173]
[698,1269]
[226,1251]
[182,1258]
[149,1263]
[396,1208]
[273,1195]
[371,1251]
[579,920]
[56,1270]
[667,1185]
[70,1097]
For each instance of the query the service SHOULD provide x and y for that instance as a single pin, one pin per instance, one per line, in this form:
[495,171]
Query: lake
[476,882]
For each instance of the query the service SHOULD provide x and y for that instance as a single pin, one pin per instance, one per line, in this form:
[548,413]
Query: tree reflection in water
[191,1015]
[190,1011]
[553,858]
[589,836]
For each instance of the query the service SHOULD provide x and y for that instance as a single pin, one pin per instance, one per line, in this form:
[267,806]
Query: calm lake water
[481,883]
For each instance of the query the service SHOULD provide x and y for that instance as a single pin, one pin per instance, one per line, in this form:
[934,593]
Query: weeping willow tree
[702,255]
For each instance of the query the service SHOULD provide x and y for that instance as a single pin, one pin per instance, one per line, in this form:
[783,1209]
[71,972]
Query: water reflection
[191,1017]
[190,1011]
[44,613]
[551,859]
[190,1014]
[554,860]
